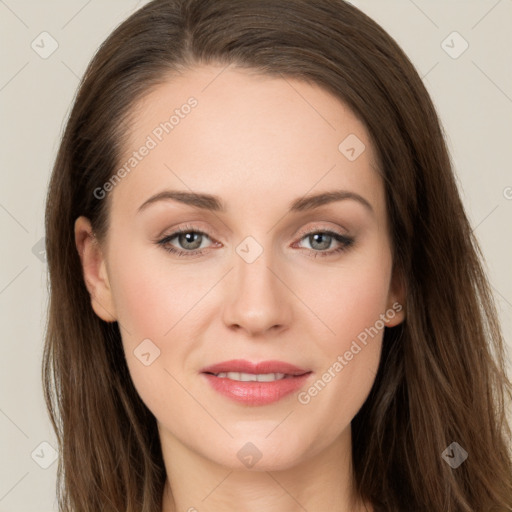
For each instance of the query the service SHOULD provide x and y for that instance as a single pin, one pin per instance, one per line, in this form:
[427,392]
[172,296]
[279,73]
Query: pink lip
[256,393]
[241,365]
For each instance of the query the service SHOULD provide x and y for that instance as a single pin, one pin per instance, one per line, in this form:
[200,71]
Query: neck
[322,482]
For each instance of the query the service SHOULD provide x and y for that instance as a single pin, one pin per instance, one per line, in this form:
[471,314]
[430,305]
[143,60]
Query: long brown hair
[442,375]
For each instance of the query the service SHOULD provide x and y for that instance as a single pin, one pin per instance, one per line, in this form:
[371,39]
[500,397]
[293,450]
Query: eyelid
[300,234]
[317,228]
[183,229]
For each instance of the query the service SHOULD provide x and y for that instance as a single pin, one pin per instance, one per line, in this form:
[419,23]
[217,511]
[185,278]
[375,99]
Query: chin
[259,452]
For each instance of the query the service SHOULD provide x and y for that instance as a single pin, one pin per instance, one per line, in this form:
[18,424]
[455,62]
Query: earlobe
[396,300]
[94,270]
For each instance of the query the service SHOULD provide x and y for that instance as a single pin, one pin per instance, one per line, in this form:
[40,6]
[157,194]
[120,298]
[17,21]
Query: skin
[258,143]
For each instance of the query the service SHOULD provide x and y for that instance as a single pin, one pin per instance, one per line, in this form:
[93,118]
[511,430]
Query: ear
[94,270]
[396,299]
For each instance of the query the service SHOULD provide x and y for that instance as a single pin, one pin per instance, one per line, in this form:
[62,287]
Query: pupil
[188,238]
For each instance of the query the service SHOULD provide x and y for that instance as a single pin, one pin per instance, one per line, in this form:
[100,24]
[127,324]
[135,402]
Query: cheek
[159,301]
[352,304]
[353,297]
[149,299]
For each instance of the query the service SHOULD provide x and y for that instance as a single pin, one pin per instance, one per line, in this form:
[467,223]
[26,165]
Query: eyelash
[345,241]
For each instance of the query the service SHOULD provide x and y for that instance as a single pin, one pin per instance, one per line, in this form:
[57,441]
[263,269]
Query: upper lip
[243,366]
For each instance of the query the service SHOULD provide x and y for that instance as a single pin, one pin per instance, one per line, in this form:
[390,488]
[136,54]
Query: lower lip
[256,393]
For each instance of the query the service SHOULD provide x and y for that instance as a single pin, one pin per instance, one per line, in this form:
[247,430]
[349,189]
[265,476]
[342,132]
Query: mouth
[255,383]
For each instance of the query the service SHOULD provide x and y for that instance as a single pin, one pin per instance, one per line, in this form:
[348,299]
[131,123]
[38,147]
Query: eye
[189,240]
[321,240]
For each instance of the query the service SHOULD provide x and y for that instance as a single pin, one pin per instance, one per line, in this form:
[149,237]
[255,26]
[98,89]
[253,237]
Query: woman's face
[262,272]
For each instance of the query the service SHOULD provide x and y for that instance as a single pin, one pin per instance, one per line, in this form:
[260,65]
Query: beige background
[472,91]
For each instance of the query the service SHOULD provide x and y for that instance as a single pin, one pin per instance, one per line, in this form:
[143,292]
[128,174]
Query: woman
[265,292]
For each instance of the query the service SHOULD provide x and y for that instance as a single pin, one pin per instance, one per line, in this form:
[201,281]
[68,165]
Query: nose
[258,299]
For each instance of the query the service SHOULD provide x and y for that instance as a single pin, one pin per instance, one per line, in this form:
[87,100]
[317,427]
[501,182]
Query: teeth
[251,377]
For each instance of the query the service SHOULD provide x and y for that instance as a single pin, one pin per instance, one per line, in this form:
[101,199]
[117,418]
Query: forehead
[234,133]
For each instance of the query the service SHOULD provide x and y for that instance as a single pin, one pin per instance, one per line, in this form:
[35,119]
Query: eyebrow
[215,203]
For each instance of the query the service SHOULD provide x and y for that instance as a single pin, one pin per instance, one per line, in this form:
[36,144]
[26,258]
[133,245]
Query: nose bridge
[258,300]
